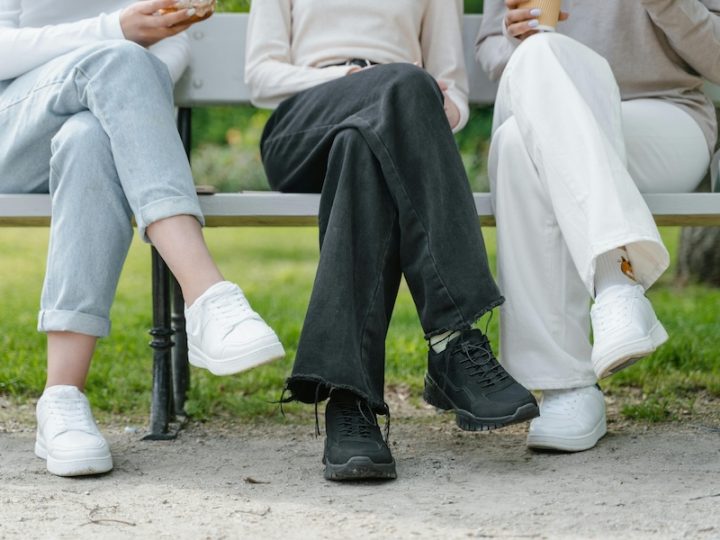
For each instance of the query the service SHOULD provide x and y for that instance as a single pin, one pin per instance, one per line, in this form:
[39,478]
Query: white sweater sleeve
[175,52]
[442,49]
[269,71]
[23,49]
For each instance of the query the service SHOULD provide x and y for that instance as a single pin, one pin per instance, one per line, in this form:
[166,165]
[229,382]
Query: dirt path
[658,481]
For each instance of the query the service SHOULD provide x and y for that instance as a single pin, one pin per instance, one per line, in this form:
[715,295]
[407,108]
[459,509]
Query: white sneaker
[225,335]
[67,436]
[570,420]
[625,329]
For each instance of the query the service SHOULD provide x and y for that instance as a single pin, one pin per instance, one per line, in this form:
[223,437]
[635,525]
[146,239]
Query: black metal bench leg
[162,395]
[180,366]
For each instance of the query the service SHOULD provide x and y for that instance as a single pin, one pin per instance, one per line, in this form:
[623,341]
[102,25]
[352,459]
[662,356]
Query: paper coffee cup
[549,13]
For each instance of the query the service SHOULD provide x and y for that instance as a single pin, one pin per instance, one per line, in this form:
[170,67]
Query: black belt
[360,62]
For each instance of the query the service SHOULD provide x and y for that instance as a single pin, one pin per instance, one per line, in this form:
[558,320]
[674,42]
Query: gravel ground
[227,480]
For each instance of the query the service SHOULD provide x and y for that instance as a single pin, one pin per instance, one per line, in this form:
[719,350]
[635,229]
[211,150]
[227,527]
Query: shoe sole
[263,351]
[359,468]
[74,467]
[568,444]
[468,421]
[627,354]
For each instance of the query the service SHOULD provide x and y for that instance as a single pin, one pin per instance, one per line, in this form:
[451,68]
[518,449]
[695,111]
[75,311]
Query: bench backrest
[212,79]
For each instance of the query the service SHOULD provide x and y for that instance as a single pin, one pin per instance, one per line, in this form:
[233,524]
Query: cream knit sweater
[289,42]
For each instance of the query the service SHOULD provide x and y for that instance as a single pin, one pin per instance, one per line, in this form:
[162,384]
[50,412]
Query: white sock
[613,268]
[440,341]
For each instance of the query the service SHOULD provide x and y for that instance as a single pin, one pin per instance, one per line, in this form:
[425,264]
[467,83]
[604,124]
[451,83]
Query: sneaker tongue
[474,334]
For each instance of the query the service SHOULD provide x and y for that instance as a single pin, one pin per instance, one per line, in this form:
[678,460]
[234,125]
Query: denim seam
[419,221]
[373,299]
[30,94]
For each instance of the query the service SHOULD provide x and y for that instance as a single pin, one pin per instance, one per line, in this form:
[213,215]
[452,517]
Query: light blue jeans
[96,129]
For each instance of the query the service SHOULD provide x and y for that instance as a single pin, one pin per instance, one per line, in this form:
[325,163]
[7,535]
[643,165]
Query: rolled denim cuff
[73,321]
[165,208]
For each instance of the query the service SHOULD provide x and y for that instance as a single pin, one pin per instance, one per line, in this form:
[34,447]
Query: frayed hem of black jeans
[464,326]
[312,389]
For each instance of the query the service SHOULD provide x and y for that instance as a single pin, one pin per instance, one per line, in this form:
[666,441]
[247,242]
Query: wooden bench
[215,78]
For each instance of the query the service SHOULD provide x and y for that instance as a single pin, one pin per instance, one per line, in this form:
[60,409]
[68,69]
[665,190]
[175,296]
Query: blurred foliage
[238,6]
[225,139]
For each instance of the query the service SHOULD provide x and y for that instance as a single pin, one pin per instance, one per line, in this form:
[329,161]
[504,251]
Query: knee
[126,59]
[542,44]
[540,51]
[410,83]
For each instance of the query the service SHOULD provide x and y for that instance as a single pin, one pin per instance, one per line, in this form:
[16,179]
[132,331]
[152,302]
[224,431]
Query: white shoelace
[71,414]
[230,310]
[616,314]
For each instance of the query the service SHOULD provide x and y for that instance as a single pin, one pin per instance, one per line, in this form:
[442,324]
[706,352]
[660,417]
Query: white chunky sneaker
[570,420]
[625,329]
[67,436]
[225,335]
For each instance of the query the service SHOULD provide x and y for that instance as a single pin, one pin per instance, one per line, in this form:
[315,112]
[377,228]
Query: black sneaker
[467,378]
[354,447]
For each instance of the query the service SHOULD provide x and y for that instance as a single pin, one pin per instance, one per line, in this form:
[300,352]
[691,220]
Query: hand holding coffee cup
[525,18]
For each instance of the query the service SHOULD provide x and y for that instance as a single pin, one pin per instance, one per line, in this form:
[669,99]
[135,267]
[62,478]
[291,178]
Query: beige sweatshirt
[289,41]
[656,48]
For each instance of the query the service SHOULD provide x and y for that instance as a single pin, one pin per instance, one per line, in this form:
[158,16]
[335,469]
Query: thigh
[300,133]
[28,124]
[666,149]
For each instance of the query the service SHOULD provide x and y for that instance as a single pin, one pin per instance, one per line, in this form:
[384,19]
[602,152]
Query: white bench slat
[283,209]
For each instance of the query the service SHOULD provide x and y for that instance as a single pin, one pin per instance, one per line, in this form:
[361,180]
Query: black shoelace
[480,362]
[354,420]
[358,419]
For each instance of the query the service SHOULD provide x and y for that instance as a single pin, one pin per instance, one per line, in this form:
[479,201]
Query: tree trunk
[699,250]
[699,256]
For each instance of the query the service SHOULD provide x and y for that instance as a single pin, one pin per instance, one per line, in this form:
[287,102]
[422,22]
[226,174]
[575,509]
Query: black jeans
[395,201]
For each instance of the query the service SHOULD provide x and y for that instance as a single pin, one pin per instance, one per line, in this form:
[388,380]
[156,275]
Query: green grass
[276,268]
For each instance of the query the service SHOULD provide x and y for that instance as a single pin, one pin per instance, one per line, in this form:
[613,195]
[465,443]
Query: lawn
[276,269]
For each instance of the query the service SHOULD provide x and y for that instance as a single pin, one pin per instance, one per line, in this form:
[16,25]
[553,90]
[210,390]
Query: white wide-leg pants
[568,161]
